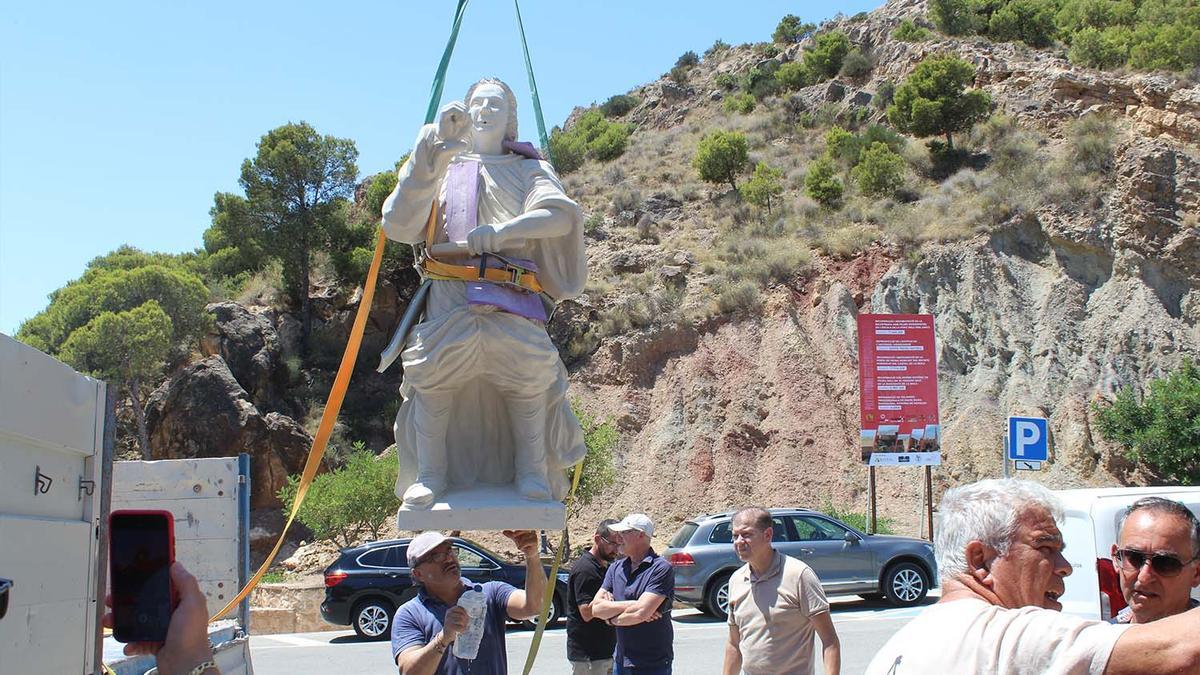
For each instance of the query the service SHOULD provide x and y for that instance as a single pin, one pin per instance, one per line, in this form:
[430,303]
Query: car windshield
[683,536]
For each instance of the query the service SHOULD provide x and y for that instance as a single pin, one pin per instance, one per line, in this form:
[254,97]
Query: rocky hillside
[721,338]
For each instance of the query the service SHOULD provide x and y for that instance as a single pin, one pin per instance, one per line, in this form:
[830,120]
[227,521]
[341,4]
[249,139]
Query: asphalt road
[862,627]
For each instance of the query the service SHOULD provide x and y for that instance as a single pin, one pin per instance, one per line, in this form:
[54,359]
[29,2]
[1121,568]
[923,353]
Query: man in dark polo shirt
[590,640]
[426,626]
[636,598]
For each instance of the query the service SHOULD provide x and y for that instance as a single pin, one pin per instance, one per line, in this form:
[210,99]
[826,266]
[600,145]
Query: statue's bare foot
[419,495]
[533,486]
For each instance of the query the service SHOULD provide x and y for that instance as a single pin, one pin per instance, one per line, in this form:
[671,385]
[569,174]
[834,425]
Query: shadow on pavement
[696,618]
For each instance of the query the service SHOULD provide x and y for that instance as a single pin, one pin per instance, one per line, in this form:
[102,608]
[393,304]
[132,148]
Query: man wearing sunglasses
[1001,560]
[1157,556]
[590,640]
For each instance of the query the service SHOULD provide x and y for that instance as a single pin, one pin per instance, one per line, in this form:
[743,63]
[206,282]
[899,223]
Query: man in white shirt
[1000,556]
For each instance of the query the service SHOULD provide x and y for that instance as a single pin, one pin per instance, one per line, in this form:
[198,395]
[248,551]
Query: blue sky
[119,121]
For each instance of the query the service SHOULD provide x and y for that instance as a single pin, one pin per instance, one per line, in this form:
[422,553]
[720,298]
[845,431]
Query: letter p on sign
[1028,438]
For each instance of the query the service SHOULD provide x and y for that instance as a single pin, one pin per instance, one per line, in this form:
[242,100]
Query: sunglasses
[1162,564]
[5,585]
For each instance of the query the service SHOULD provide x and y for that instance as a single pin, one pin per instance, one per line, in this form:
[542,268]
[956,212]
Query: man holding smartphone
[426,626]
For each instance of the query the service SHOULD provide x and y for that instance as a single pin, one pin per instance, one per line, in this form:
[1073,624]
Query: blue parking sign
[1028,439]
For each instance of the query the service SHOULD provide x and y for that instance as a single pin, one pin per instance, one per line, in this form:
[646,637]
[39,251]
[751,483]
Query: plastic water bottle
[466,646]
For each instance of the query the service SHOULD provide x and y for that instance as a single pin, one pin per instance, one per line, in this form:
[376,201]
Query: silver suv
[874,566]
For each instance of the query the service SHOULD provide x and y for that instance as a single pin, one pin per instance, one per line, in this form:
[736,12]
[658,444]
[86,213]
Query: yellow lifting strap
[432,268]
[552,581]
[328,417]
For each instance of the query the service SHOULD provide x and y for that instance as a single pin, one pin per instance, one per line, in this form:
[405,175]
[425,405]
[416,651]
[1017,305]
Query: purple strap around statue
[462,214]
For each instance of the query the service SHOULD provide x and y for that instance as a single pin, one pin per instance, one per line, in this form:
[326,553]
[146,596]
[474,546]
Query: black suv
[366,584]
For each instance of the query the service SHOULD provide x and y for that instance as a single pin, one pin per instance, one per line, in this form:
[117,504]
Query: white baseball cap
[635,521]
[424,543]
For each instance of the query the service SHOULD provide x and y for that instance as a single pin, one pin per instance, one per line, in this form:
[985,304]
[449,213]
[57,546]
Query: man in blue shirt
[426,626]
[636,598]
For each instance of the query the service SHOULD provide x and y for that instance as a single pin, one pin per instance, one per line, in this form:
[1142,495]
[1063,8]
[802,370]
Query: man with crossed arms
[636,598]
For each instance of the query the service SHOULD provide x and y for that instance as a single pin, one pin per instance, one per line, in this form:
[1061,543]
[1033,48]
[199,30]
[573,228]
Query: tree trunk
[305,302]
[139,414]
[566,538]
[949,141]
[732,183]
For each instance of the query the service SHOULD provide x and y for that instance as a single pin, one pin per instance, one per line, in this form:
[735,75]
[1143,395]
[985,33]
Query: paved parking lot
[862,627]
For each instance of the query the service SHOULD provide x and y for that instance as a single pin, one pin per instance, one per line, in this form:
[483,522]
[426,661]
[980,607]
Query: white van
[1090,530]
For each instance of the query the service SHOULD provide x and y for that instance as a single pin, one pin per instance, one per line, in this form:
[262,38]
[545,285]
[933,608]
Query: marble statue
[484,391]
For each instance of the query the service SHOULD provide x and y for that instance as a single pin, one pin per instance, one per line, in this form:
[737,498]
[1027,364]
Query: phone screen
[141,584]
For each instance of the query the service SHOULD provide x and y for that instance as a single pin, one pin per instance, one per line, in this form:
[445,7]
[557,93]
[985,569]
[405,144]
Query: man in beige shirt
[776,604]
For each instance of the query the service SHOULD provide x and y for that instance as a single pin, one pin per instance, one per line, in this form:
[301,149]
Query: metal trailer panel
[204,496]
[52,449]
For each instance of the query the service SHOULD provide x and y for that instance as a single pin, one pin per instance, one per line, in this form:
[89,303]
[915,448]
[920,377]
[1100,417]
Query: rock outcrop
[202,411]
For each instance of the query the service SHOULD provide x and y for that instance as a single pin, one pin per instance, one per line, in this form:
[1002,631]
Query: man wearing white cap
[636,598]
[426,626]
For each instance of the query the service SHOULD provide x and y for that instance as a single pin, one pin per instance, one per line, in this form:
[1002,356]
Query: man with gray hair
[1157,556]
[1000,556]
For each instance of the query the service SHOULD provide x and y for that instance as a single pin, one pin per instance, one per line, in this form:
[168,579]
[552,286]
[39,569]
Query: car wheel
[716,600]
[905,584]
[551,617]
[372,619]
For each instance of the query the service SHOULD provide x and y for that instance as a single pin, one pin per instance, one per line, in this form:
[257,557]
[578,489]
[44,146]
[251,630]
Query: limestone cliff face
[1046,313]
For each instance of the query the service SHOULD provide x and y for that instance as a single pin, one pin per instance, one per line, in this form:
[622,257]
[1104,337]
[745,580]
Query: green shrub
[727,81]
[841,145]
[880,171]
[567,150]
[1091,143]
[718,47]
[721,156]
[793,75]
[1028,21]
[740,296]
[858,519]
[765,184]
[855,65]
[822,183]
[908,31]
[1095,48]
[619,105]
[952,17]
[884,94]
[687,60]
[760,80]
[598,474]
[678,75]
[934,99]
[611,142]
[766,50]
[742,102]
[791,30]
[829,51]
[1161,429]
[355,500]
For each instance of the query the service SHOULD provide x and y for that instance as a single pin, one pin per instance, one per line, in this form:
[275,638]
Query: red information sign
[897,378]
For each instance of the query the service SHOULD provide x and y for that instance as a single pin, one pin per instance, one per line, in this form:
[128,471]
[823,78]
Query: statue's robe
[479,354]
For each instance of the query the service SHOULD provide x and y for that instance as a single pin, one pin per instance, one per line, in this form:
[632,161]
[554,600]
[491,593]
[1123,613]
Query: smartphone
[141,549]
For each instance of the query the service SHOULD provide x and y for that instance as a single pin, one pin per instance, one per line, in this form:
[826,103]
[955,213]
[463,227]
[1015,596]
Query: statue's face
[489,112]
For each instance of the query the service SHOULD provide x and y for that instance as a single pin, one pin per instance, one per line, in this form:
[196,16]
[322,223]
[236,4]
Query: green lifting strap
[439,78]
[537,101]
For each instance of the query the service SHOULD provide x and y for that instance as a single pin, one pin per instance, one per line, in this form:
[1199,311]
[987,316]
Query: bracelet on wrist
[203,668]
